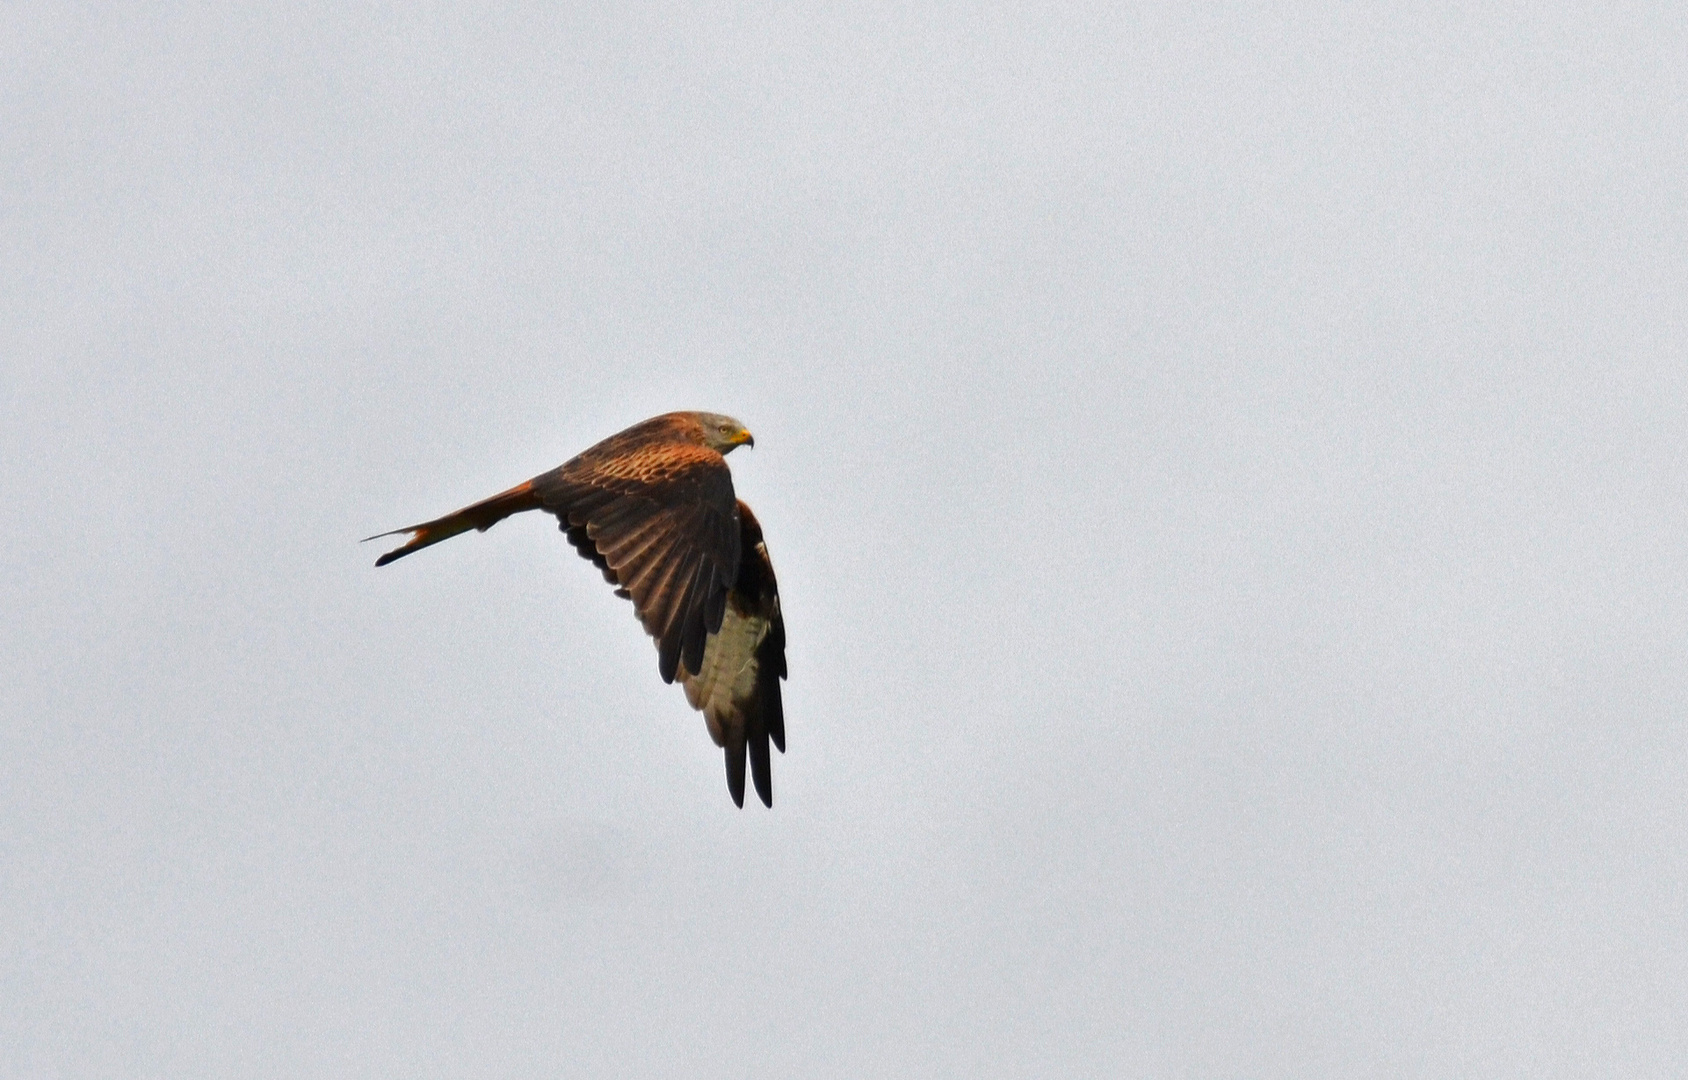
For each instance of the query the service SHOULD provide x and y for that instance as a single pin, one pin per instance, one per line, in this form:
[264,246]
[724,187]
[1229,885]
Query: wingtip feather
[734,751]
[761,770]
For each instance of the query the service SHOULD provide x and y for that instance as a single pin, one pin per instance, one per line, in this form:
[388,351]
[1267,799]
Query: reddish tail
[481,516]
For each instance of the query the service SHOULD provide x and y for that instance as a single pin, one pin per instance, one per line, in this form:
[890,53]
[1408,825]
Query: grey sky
[1224,467]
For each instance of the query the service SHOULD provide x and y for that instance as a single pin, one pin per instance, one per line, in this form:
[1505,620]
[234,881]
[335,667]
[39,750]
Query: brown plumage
[653,508]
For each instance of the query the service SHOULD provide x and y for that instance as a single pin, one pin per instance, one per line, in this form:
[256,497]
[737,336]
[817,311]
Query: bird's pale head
[722,433]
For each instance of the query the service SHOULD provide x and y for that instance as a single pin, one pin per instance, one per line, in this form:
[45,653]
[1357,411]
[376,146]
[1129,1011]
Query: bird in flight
[653,508]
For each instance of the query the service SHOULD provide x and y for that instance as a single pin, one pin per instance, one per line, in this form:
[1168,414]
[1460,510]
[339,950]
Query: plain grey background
[1224,465]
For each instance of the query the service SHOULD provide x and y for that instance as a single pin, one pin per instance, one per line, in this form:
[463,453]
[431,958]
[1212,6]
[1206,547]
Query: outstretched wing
[657,515]
[737,684]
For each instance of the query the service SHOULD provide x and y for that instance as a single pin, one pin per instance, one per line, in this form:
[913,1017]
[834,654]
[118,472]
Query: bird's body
[653,508]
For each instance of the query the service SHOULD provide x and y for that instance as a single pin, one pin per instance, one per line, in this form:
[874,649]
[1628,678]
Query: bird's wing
[659,518]
[737,685]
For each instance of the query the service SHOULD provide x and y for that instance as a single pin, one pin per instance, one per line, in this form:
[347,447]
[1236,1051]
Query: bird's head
[722,433]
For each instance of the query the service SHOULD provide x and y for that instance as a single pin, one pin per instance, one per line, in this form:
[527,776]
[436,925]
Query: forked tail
[481,517]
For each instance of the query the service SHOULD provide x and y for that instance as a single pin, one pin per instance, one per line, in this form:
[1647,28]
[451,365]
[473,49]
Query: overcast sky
[1224,465]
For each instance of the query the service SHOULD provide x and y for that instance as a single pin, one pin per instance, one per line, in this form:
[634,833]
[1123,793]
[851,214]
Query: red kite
[654,509]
